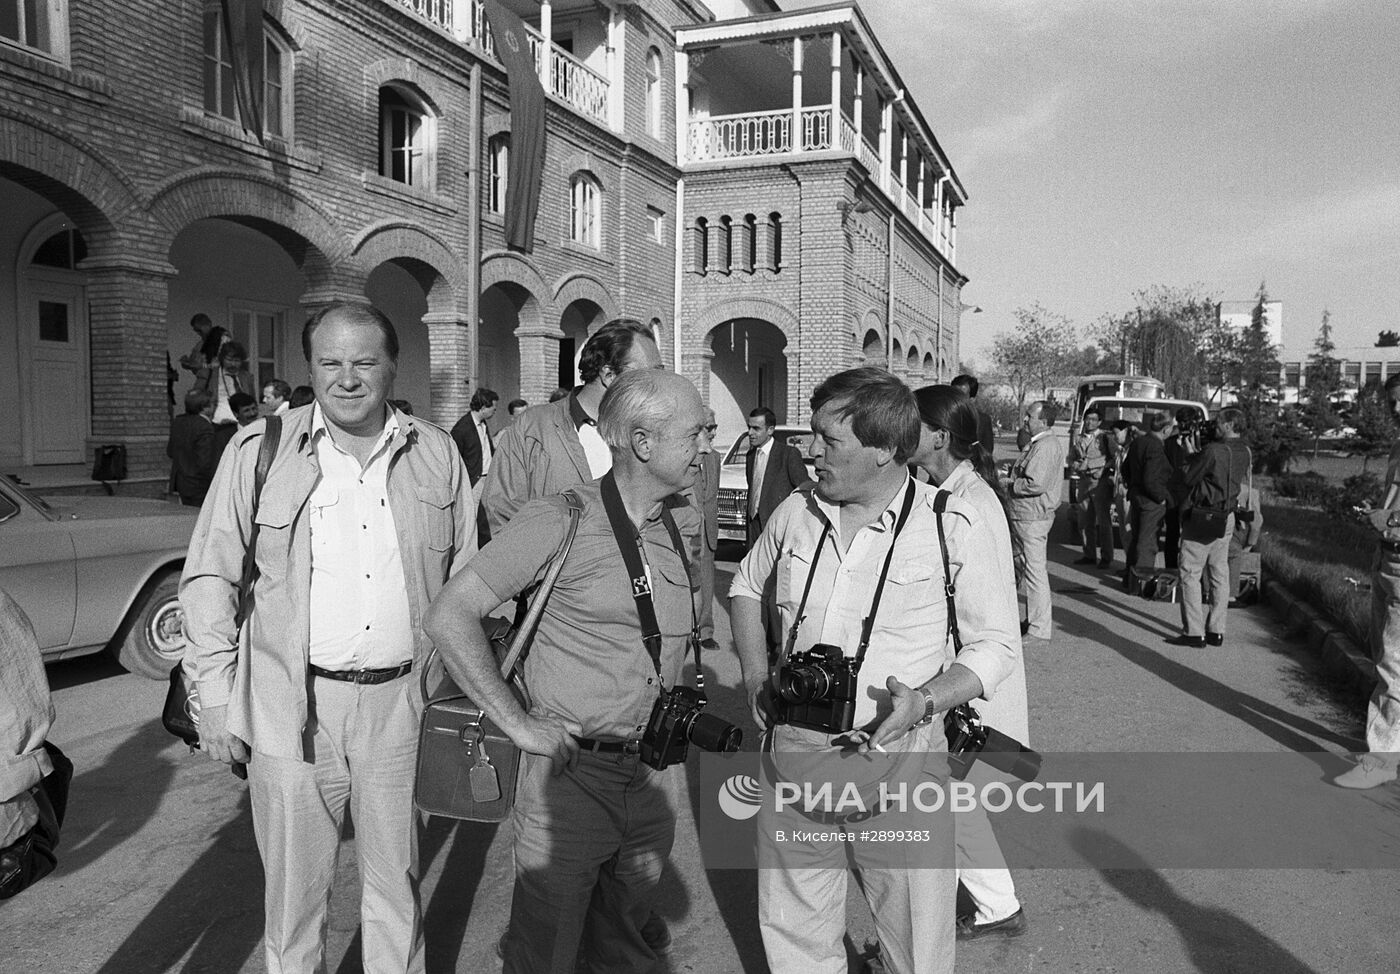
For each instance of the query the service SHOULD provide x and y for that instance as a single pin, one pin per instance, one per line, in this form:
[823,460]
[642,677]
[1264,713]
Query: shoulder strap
[940,504]
[532,618]
[267,452]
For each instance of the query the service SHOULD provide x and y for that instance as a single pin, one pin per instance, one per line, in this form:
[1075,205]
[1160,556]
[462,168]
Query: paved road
[159,871]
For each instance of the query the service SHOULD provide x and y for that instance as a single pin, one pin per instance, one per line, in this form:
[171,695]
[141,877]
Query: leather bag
[467,766]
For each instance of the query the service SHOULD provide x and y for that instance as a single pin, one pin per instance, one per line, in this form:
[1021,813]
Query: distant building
[1239,315]
[757,185]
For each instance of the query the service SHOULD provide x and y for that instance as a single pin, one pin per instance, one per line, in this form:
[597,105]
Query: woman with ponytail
[955,461]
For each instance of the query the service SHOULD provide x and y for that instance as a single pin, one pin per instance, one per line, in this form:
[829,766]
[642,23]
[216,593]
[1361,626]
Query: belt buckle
[362,677]
[632,747]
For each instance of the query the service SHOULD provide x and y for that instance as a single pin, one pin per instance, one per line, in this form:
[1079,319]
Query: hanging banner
[526,167]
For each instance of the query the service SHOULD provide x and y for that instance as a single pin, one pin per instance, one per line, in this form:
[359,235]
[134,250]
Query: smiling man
[364,515]
[822,557]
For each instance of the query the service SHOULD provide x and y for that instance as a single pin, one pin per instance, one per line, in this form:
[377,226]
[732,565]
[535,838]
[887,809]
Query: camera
[817,690]
[1199,427]
[677,721]
[969,739]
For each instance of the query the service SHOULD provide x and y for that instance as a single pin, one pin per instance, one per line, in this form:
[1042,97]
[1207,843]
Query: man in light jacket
[1034,486]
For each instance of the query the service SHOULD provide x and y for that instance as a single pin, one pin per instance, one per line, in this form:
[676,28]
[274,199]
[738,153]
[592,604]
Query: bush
[1308,488]
[1359,490]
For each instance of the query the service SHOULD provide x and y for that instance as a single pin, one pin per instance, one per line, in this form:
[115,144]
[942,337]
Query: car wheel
[152,639]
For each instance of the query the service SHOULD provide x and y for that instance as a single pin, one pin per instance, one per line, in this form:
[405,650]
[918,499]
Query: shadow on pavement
[211,916]
[84,669]
[109,804]
[1216,940]
[1287,728]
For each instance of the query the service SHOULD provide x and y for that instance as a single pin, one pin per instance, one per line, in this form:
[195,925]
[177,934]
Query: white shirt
[222,412]
[359,596]
[486,450]
[760,467]
[599,456]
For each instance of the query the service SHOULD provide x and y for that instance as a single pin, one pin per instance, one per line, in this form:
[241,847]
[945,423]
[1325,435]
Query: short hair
[302,396]
[240,400]
[1049,412]
[637,400]
[1157,422]
[966,383]
[1092,411]
[515,404]
[196,401]
[359,313]
[484,398]
[232,350]
[882,409]
[280,388]
[1186,414]
[200,320]
[560,393]
[610,346]
[764,413]
[1233,416]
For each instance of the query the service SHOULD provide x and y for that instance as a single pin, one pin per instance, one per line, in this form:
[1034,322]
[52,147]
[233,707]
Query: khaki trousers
[360,749]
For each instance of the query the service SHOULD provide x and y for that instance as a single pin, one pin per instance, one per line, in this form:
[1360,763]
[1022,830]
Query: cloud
[1020,131]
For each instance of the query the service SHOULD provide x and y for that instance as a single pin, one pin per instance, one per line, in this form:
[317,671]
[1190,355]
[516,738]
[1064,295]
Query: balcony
[564,76]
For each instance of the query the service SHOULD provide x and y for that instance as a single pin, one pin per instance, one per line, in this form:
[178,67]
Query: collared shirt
[760,469]
[1089,455]
[485,435]
[226,386]
[282,408]
[598,453]
[359,599]
[910,638]
[1036,477]
[587,663]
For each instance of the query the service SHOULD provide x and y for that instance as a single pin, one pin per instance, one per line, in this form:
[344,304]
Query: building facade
[673,192]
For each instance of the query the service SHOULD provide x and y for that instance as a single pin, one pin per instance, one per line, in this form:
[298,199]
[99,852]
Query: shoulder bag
[180,714]
[467,766]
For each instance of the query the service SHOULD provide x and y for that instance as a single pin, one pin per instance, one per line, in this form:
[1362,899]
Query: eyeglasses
[711,428]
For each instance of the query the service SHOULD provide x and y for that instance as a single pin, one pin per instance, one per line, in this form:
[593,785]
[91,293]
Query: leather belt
[364,676]
[608,747]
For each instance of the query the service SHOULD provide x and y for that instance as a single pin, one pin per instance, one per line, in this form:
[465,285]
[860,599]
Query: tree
[1388,339]
[1173,334]
[1037,352]
[1375,429]
[1322,380]
[1255,375]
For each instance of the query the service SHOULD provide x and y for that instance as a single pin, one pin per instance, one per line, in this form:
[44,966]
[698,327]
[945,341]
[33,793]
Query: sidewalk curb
[1341,658]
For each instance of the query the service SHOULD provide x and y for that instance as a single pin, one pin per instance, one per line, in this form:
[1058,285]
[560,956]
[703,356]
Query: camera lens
[802,684]
[711,733]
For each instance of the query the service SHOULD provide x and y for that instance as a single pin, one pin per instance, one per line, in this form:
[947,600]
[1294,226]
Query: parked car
[734,486]
[96,573]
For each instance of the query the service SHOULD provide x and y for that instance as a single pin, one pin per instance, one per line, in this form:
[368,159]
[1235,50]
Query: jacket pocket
[434,512]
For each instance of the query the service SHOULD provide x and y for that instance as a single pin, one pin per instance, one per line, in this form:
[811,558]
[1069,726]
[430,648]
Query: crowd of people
[374,538]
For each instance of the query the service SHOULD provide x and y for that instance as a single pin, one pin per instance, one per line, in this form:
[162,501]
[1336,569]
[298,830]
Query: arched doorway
[873,348]
[912,369]
[400,288]
[579,320]
[498,349]
[749,368]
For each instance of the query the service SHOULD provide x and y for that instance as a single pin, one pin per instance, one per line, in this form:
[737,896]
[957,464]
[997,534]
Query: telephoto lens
[1010,755]
[711,733]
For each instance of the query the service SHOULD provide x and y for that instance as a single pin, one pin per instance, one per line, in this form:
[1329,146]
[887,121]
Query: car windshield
[1137,411]
[799,439]
[33,498]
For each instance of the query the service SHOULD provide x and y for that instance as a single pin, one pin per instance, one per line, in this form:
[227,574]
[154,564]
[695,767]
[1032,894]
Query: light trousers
[361,745]
[1035,582]
[1383,711]
[1213,559]
[705,615]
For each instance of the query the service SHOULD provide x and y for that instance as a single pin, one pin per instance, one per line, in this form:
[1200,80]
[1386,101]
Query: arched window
[773,252]
[499,148]
[700,246]
[219,97]
[405,137]
[746,247]
[654,93]
[64,249]
[724,242]
[585,210]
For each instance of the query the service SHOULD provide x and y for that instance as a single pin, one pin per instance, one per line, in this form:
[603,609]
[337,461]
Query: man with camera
[1088,460]
[593,817]
[856,571]
[1212,484]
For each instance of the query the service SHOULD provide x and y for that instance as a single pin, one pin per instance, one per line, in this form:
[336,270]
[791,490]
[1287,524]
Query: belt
[364,676]
[608,747]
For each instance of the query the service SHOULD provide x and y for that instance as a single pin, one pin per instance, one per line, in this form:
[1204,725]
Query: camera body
[677,721]
[969,739]
[1201,429]
[817,690]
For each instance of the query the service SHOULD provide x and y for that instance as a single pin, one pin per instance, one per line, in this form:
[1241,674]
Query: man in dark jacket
[772,470]
[1147,472]
[192,449]
[1178,459]
[474,443]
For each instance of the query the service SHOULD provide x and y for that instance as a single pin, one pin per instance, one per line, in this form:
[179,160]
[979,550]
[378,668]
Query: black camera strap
[940,504]
[629,543]
[868,624]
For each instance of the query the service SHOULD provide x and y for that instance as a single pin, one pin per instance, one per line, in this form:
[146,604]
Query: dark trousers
[1147,517]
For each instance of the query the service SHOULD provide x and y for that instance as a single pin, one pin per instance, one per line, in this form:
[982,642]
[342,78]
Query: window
[773,252]
[40,25]
[259,328]
[747,245]
[700,246]
[219,95]
[654,93]
[584,205]
[723,241]
[656,221]
[405,137]
[499,148]
[64,249]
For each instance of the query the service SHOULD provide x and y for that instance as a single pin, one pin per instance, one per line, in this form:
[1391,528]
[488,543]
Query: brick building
[673,191]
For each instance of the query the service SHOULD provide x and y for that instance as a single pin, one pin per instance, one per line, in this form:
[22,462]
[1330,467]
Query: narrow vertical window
[654,93]
[499,166]
[584,206]
[405,138]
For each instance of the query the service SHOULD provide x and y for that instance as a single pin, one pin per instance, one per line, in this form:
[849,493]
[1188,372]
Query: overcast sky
[1108,145]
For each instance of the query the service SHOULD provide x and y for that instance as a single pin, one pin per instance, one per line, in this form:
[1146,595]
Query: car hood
[106,508]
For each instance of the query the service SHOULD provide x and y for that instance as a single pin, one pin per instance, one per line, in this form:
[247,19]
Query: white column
[835,89]
[859,105]
[953,236]
[919,216]
[615,63]
[546,28]
[886,143]
[682,111]
[795,140]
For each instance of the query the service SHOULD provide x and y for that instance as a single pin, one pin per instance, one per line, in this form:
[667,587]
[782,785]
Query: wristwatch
[929,708]
[1390,521]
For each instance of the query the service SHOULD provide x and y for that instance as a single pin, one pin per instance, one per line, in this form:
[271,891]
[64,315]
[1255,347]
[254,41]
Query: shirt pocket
[794,569]
[913,595]
[434,514]
[273,520]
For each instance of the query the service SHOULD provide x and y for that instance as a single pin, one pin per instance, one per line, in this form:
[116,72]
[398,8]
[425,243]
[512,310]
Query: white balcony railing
[739,136]
[816,129]
[568,78]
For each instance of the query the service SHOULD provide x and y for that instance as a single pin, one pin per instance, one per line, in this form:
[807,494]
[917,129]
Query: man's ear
[883,456]
[641,444]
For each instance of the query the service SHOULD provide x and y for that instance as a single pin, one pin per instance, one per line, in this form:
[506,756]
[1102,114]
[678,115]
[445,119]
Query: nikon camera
[678,720]
[817,690]
[969,739]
